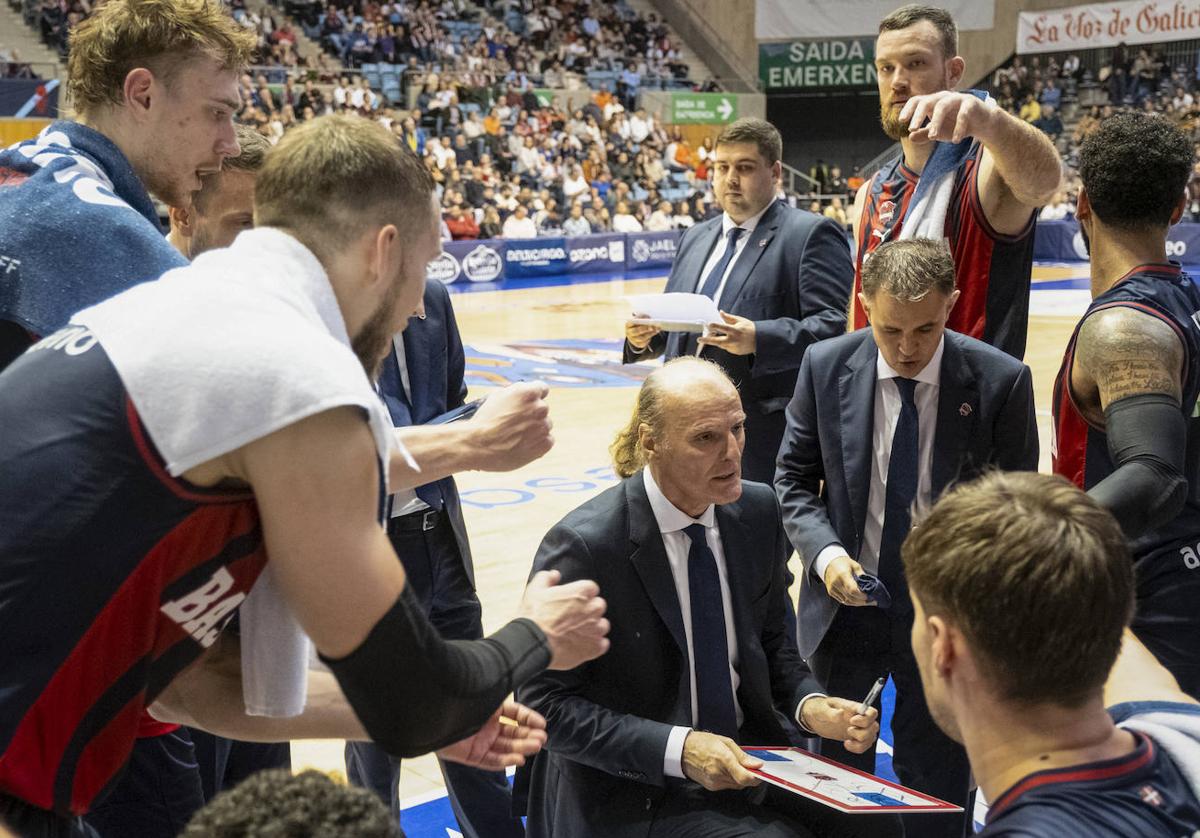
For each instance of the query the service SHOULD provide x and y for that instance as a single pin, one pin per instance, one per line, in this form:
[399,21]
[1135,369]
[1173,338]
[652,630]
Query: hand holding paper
[675,312]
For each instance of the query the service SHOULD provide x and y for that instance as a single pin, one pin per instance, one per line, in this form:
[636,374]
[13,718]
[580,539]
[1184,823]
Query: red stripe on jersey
[875,217]
[1068,443]
[1135,761]
[972,245]
[130,631]
[149,727]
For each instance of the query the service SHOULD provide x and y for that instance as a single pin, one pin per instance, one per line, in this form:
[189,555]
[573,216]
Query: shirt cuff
[825,558]
[800,708]
[673,758]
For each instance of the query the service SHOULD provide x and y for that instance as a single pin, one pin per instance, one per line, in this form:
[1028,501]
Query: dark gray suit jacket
[793,279]
[601,773]
[985,418]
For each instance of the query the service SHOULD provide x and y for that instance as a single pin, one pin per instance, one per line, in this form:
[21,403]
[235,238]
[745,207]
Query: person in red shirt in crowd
[461,224]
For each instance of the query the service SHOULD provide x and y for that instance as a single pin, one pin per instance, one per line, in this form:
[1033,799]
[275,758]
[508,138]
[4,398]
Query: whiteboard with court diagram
[838,786]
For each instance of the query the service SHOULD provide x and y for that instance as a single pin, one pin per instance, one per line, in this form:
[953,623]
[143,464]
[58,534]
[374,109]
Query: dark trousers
[481,800]
[1166,618]
[27,821]
[761,812]
[862,645]
[158,793]
[224,763]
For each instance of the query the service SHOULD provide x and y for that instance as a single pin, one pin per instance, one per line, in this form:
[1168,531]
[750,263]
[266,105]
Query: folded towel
[239,344]
[925,217]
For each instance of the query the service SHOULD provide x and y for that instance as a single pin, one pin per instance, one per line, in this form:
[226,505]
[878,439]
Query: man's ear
[138,89]
[385,254]
[183,220]
[957,67]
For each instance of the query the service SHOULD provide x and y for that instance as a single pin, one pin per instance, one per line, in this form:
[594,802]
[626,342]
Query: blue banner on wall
[1061,241]
[29,97]
[649,251]
[535,257]
[602,253]
[494,260]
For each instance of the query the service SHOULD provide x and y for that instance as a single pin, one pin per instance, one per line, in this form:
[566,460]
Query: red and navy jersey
[1141,794]
[1080,450]
[114,576]
[993,270]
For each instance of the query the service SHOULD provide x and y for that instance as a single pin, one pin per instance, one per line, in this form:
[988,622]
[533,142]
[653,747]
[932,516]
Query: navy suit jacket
[601,773]
[985,419]
[436,365]
[793,279]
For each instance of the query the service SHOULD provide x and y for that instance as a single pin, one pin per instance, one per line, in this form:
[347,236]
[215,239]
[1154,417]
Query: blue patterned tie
[903,470]
[710,644]
[713,281]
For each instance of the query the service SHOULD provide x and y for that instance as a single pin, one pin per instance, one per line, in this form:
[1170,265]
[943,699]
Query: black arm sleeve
[415,693]
[1147,440]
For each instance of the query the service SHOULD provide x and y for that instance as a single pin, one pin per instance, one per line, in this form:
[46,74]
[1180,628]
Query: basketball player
[1125,426]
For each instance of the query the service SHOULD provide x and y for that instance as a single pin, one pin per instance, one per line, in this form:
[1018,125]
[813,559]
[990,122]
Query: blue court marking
[879,799]
[766,756]
[560,363]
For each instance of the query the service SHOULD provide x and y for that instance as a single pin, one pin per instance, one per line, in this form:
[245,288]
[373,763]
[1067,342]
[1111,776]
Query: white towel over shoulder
[239,344]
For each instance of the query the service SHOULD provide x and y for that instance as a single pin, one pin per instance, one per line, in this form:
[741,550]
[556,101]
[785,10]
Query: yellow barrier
[15,130]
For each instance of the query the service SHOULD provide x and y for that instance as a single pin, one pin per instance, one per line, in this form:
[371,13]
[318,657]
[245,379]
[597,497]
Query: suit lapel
[958,407]
[649,558]
[856,393]
[760,238]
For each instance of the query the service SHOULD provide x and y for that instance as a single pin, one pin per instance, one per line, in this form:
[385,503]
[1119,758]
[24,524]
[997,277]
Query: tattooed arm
[1129,365]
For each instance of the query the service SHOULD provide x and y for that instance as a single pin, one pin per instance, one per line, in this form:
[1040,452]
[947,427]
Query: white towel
[925,217]
[1174,727]
[242,342]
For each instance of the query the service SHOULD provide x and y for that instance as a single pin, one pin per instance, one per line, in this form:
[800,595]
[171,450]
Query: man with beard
[223,416]
[1125,424]
[172,771]
[155,88]
[968,171]
[1022,587]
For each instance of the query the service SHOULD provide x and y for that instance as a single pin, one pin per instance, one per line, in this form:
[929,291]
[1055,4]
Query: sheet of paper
[838,786]
[675,312]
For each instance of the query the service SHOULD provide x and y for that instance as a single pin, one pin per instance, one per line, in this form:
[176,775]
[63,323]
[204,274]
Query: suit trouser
[158,793]
[862,645]
[481,800]
[226,762]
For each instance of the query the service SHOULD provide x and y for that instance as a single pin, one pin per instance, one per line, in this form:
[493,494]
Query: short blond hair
[326,177]
[159,35]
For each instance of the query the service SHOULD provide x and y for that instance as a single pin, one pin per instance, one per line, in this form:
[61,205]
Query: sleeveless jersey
[1080,450]
[114,576]
[993,270]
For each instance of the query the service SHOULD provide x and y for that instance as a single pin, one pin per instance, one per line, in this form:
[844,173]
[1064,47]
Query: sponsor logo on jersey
[206,610]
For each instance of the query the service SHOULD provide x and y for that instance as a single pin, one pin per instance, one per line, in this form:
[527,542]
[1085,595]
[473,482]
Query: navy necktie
[903,470]
[391,389]
[710,644]
[713,281]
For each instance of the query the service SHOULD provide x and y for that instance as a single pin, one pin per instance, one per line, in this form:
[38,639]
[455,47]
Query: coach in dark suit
[782,278]
[420,381]
[690,560]
[884,419]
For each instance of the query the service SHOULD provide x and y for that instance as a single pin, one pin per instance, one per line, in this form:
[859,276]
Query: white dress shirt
[728,224]
[671,523]
[405,501]
[887,414]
